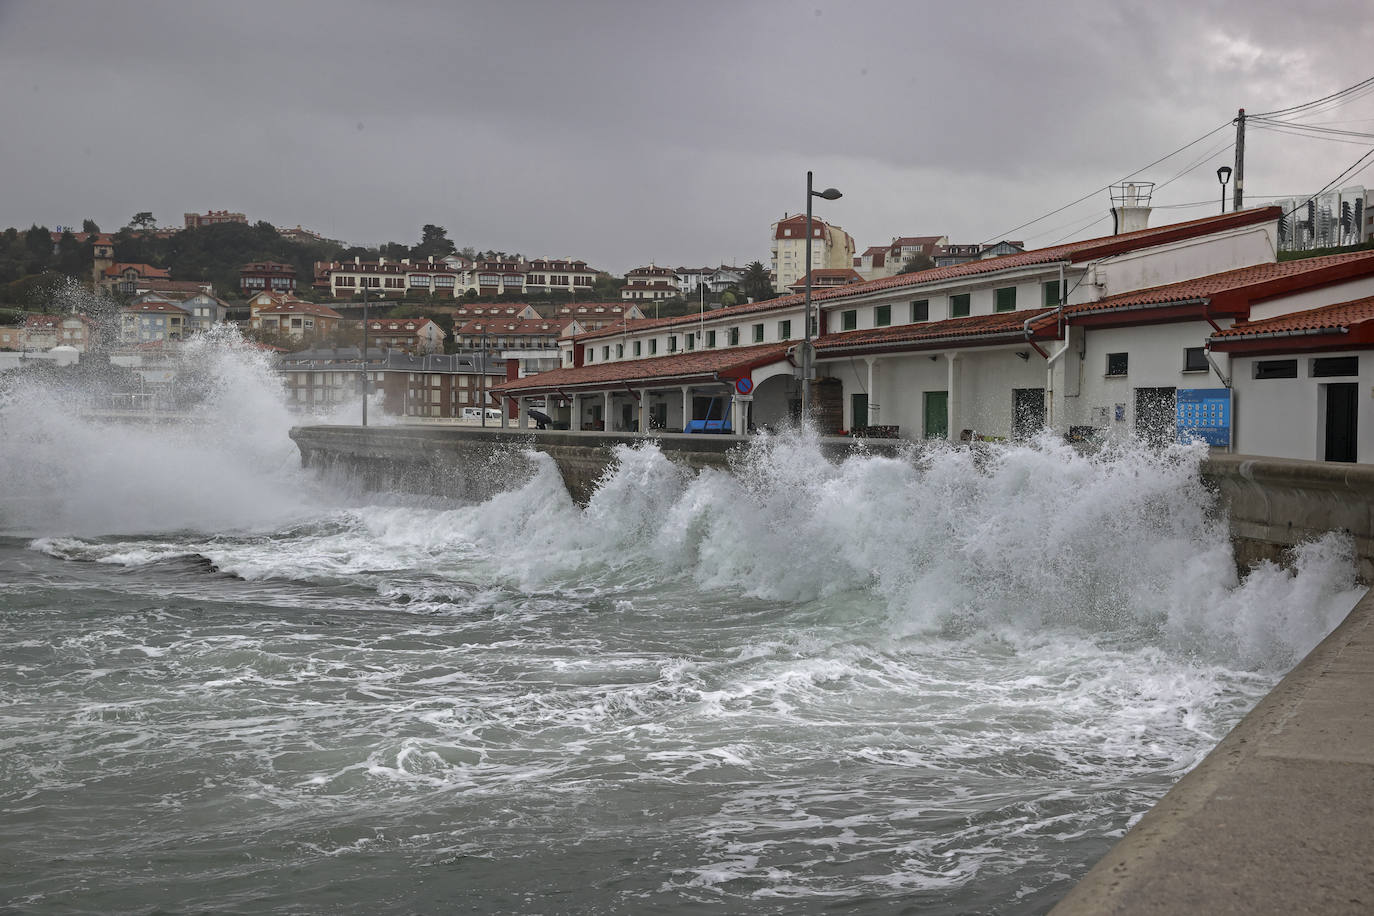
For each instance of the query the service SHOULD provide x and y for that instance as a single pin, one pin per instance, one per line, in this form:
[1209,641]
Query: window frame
[1123,369]
[960,305]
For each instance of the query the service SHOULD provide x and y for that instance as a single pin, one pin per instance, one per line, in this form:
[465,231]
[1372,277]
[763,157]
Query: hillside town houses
[1190,330]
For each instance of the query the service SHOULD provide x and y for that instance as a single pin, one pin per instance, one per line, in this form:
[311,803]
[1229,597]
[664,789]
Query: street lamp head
[827,194]
[1224,174]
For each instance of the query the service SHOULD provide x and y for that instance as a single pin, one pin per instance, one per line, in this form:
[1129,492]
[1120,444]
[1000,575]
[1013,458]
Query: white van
[475,413]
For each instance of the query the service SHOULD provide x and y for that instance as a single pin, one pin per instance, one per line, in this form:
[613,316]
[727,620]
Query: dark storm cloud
[625,132]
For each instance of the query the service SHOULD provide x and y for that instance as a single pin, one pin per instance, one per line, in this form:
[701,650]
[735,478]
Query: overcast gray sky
[625,132]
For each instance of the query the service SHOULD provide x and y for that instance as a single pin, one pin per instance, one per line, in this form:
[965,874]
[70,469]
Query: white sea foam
[230,465]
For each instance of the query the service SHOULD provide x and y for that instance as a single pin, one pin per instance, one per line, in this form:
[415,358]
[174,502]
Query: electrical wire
[1354,170]
[1366,83]
[1008,233]
[1291,133]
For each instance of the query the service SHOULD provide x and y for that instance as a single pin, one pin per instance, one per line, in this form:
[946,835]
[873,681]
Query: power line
[1348,173]
[1326,98]
[1311,136]
[1008,233]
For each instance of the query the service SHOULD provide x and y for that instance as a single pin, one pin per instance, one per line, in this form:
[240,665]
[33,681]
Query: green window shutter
[920,310]
[849,320]
[1004,299]
[958,305]
[1051,292]
[882,316]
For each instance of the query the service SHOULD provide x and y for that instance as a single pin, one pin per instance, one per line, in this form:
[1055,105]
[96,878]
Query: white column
[686,406]
[505,420]
[644,411]
[952,401]
[606,413]
[739,415]
[575,419]
[523,420]
[872,418]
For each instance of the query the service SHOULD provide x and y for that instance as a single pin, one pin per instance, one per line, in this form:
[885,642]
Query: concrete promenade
[1279,818]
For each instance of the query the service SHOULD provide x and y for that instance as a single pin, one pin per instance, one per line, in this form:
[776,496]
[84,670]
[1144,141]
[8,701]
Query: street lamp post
[364,353]
[1223,176]
[807,356]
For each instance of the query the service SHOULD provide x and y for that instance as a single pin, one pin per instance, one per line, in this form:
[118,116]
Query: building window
[710,338]
[653,346]
[691,341]
[639,348]
[1116,364]
[1004,299]
[849,320]
[619,351]
[758,333]
[958,305]
[734,337]
[1194,359]
[882,316]
[1326,367]
[920,310]
[1276,368]
[785,329]
[1051,288]
[672,343]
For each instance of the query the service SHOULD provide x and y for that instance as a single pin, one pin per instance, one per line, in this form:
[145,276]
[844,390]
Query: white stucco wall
[1185,260]
[1311,299]
[1285,418]
[1155,361]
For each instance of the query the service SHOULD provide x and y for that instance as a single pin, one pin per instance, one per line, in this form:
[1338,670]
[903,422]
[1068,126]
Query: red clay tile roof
[1074,252]
[1002,327]
[1253,283]
[296,307]
[146,271]
[700,365]
[156,305]
[1337,318]
[499,325]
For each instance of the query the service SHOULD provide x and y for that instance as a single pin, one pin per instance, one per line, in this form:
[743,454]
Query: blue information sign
[1205,414]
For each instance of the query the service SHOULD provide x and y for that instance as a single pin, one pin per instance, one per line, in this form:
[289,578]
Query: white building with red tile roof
[408,335]
[156,321]
[650,284]
[830,245]
[1098,337]
[294,317]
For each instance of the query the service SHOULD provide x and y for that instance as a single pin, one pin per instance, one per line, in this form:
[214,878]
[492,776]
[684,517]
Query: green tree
[434,243]
[88,225]
[73,258]
[143,220]
[918,261]
[38,245]
[756,285]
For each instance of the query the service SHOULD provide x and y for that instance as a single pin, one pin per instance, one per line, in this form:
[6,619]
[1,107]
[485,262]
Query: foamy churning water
[947,678]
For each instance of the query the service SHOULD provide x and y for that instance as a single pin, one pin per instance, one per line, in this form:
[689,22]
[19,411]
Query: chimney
[1131,206]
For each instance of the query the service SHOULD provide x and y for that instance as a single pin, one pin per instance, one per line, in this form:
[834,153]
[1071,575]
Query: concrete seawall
[1271,503]
[469,461]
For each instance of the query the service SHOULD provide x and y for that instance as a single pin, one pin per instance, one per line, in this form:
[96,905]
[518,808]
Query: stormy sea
[945,683]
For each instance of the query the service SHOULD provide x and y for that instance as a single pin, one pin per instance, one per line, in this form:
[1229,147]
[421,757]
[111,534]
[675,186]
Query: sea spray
[225,463]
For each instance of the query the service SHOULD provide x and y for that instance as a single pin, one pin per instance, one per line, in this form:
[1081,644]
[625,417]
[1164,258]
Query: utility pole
[364,279]
[1236,201]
